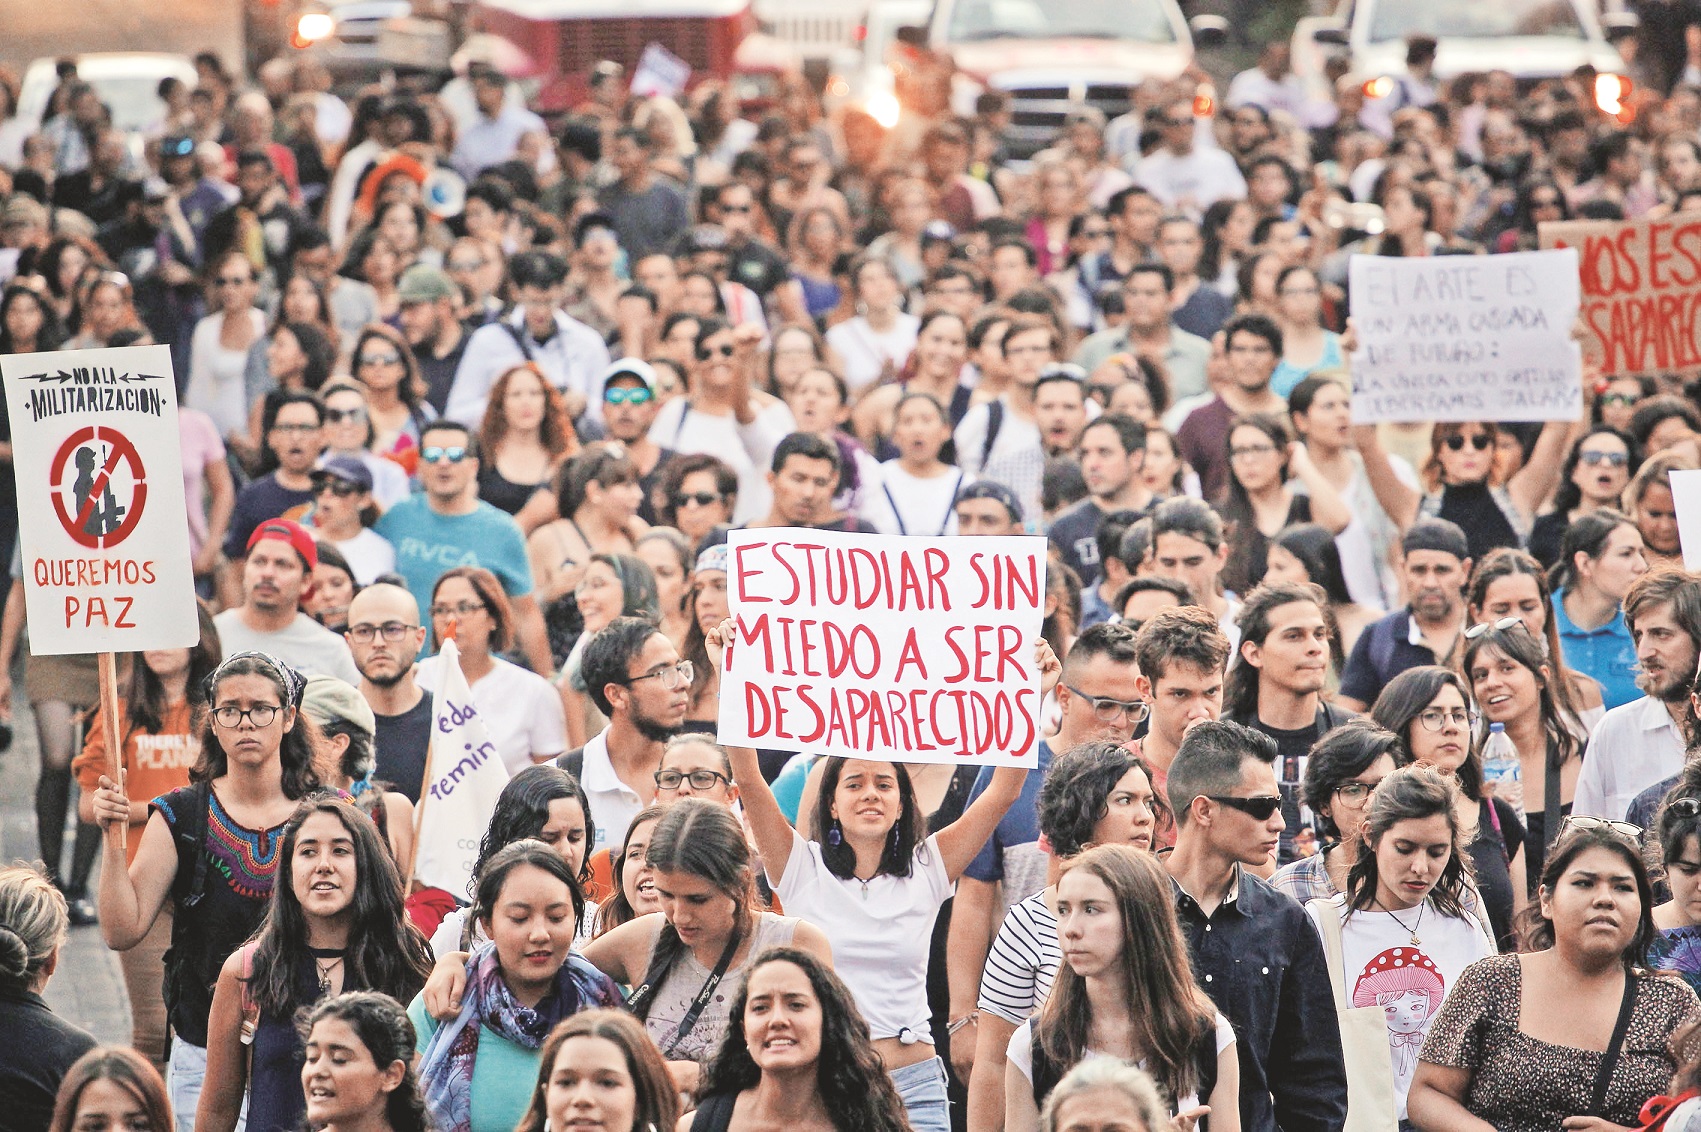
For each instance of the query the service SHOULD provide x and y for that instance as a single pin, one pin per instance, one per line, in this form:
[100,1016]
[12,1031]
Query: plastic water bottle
[1500,766]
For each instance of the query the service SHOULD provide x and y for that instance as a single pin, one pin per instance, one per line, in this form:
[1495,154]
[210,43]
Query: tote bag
[1371,1106]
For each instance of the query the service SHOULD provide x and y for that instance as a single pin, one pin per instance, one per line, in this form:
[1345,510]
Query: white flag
[467,775]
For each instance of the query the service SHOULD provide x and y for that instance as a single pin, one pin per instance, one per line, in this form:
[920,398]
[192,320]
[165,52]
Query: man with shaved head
[385,636]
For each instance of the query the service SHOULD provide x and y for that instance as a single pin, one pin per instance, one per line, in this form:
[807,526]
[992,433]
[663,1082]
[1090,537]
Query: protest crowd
[1361,790]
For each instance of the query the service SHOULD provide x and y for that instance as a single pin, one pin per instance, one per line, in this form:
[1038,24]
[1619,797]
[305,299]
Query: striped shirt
[1023,962]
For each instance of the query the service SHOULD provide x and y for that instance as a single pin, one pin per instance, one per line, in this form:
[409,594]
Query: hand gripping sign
[884,647]
[103,528]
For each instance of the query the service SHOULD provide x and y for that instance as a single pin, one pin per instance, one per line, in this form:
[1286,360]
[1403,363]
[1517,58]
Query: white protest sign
[1466,338]
[1686,501]
[466,775]
[884,647]
[101,516]
[660,73]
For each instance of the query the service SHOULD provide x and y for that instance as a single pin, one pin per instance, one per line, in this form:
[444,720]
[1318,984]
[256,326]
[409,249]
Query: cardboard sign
[105,548]
[465,776]
[884,647]
[1466,338]
[1641,287]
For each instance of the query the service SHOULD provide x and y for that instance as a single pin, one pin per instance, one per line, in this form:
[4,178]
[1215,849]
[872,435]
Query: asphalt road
[88,987]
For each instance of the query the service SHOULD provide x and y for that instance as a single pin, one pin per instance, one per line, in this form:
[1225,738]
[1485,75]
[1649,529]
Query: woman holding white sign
[211,848]
[874,884]
[1462,482]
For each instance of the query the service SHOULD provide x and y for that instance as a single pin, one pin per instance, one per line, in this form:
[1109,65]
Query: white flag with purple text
[466,776]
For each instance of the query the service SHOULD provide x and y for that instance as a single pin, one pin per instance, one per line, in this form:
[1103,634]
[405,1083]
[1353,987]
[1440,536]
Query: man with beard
[292,427]
[1638,747]
[385,635]
[635,677]
[1435,561]
[276,574]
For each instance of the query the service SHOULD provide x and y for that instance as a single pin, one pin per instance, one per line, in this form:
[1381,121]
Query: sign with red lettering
[1641,289]
[102,524]
[884,647]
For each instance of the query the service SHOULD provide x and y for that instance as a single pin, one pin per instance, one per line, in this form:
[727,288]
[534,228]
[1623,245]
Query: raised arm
[1539,476]
[1327,506]
[768,824]
[963,838]
[1398,499]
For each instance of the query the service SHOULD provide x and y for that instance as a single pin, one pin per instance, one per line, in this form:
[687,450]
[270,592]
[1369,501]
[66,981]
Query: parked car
[126,81]
[360,41]
[1531,39]
[1054,56]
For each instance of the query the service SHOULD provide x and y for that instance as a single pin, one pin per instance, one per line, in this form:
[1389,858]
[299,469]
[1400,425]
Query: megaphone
[444,192]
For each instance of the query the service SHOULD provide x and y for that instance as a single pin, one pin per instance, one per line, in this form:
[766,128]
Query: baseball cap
[630,367]
[349,469]
[992,489]
[1438,535]
[328,700]
[423,283]
[292,532]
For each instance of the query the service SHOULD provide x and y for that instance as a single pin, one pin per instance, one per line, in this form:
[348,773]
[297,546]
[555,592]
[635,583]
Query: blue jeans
[922,1089]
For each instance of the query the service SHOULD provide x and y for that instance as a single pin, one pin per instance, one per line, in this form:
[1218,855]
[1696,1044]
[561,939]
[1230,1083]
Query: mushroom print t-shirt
[1385,967]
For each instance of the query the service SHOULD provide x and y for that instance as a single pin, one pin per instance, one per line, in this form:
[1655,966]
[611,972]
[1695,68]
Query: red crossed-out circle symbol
[83,521]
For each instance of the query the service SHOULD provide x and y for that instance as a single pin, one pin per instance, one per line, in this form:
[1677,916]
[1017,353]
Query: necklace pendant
[325,985]
[1416,942]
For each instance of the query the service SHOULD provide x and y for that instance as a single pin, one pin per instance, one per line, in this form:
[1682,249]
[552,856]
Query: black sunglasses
[725,350]
[700,498]
[1479,441]
[1259,807]
[342,489]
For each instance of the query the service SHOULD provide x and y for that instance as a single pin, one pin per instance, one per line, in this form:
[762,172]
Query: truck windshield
[1146,21]
[1473,19]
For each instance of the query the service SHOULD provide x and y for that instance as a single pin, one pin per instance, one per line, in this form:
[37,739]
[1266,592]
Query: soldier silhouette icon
[105,516]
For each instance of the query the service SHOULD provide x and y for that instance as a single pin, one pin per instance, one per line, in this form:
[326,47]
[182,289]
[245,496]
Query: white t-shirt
[882,931]
[1023,962]
[613,803]
[1409,981]
[303,644]
[1193,181]
[522,711]
[899,503]
[369,554]
[1021,1055]
[746,449]
[865,351]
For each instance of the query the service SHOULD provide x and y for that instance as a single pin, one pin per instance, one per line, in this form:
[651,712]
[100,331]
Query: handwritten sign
[660,73]
[1641,288]
[885,647]
[105,547]
[465,776]
[1466,338]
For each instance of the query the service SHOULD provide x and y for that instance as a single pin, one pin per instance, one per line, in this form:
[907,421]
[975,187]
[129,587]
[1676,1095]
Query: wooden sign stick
[109,726]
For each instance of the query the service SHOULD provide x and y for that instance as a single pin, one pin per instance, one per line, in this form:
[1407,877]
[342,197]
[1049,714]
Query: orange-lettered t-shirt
[155,762]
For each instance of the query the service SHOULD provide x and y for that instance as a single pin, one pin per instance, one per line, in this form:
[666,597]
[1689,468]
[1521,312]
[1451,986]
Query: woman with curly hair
[358,1071]
[797,1054]
[336,924]
[599,1069]
[524,438]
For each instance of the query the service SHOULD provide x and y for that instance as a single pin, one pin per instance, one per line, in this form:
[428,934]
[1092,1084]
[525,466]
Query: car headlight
[1610,92]
[1379,87]
[311,27]
[883,108]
